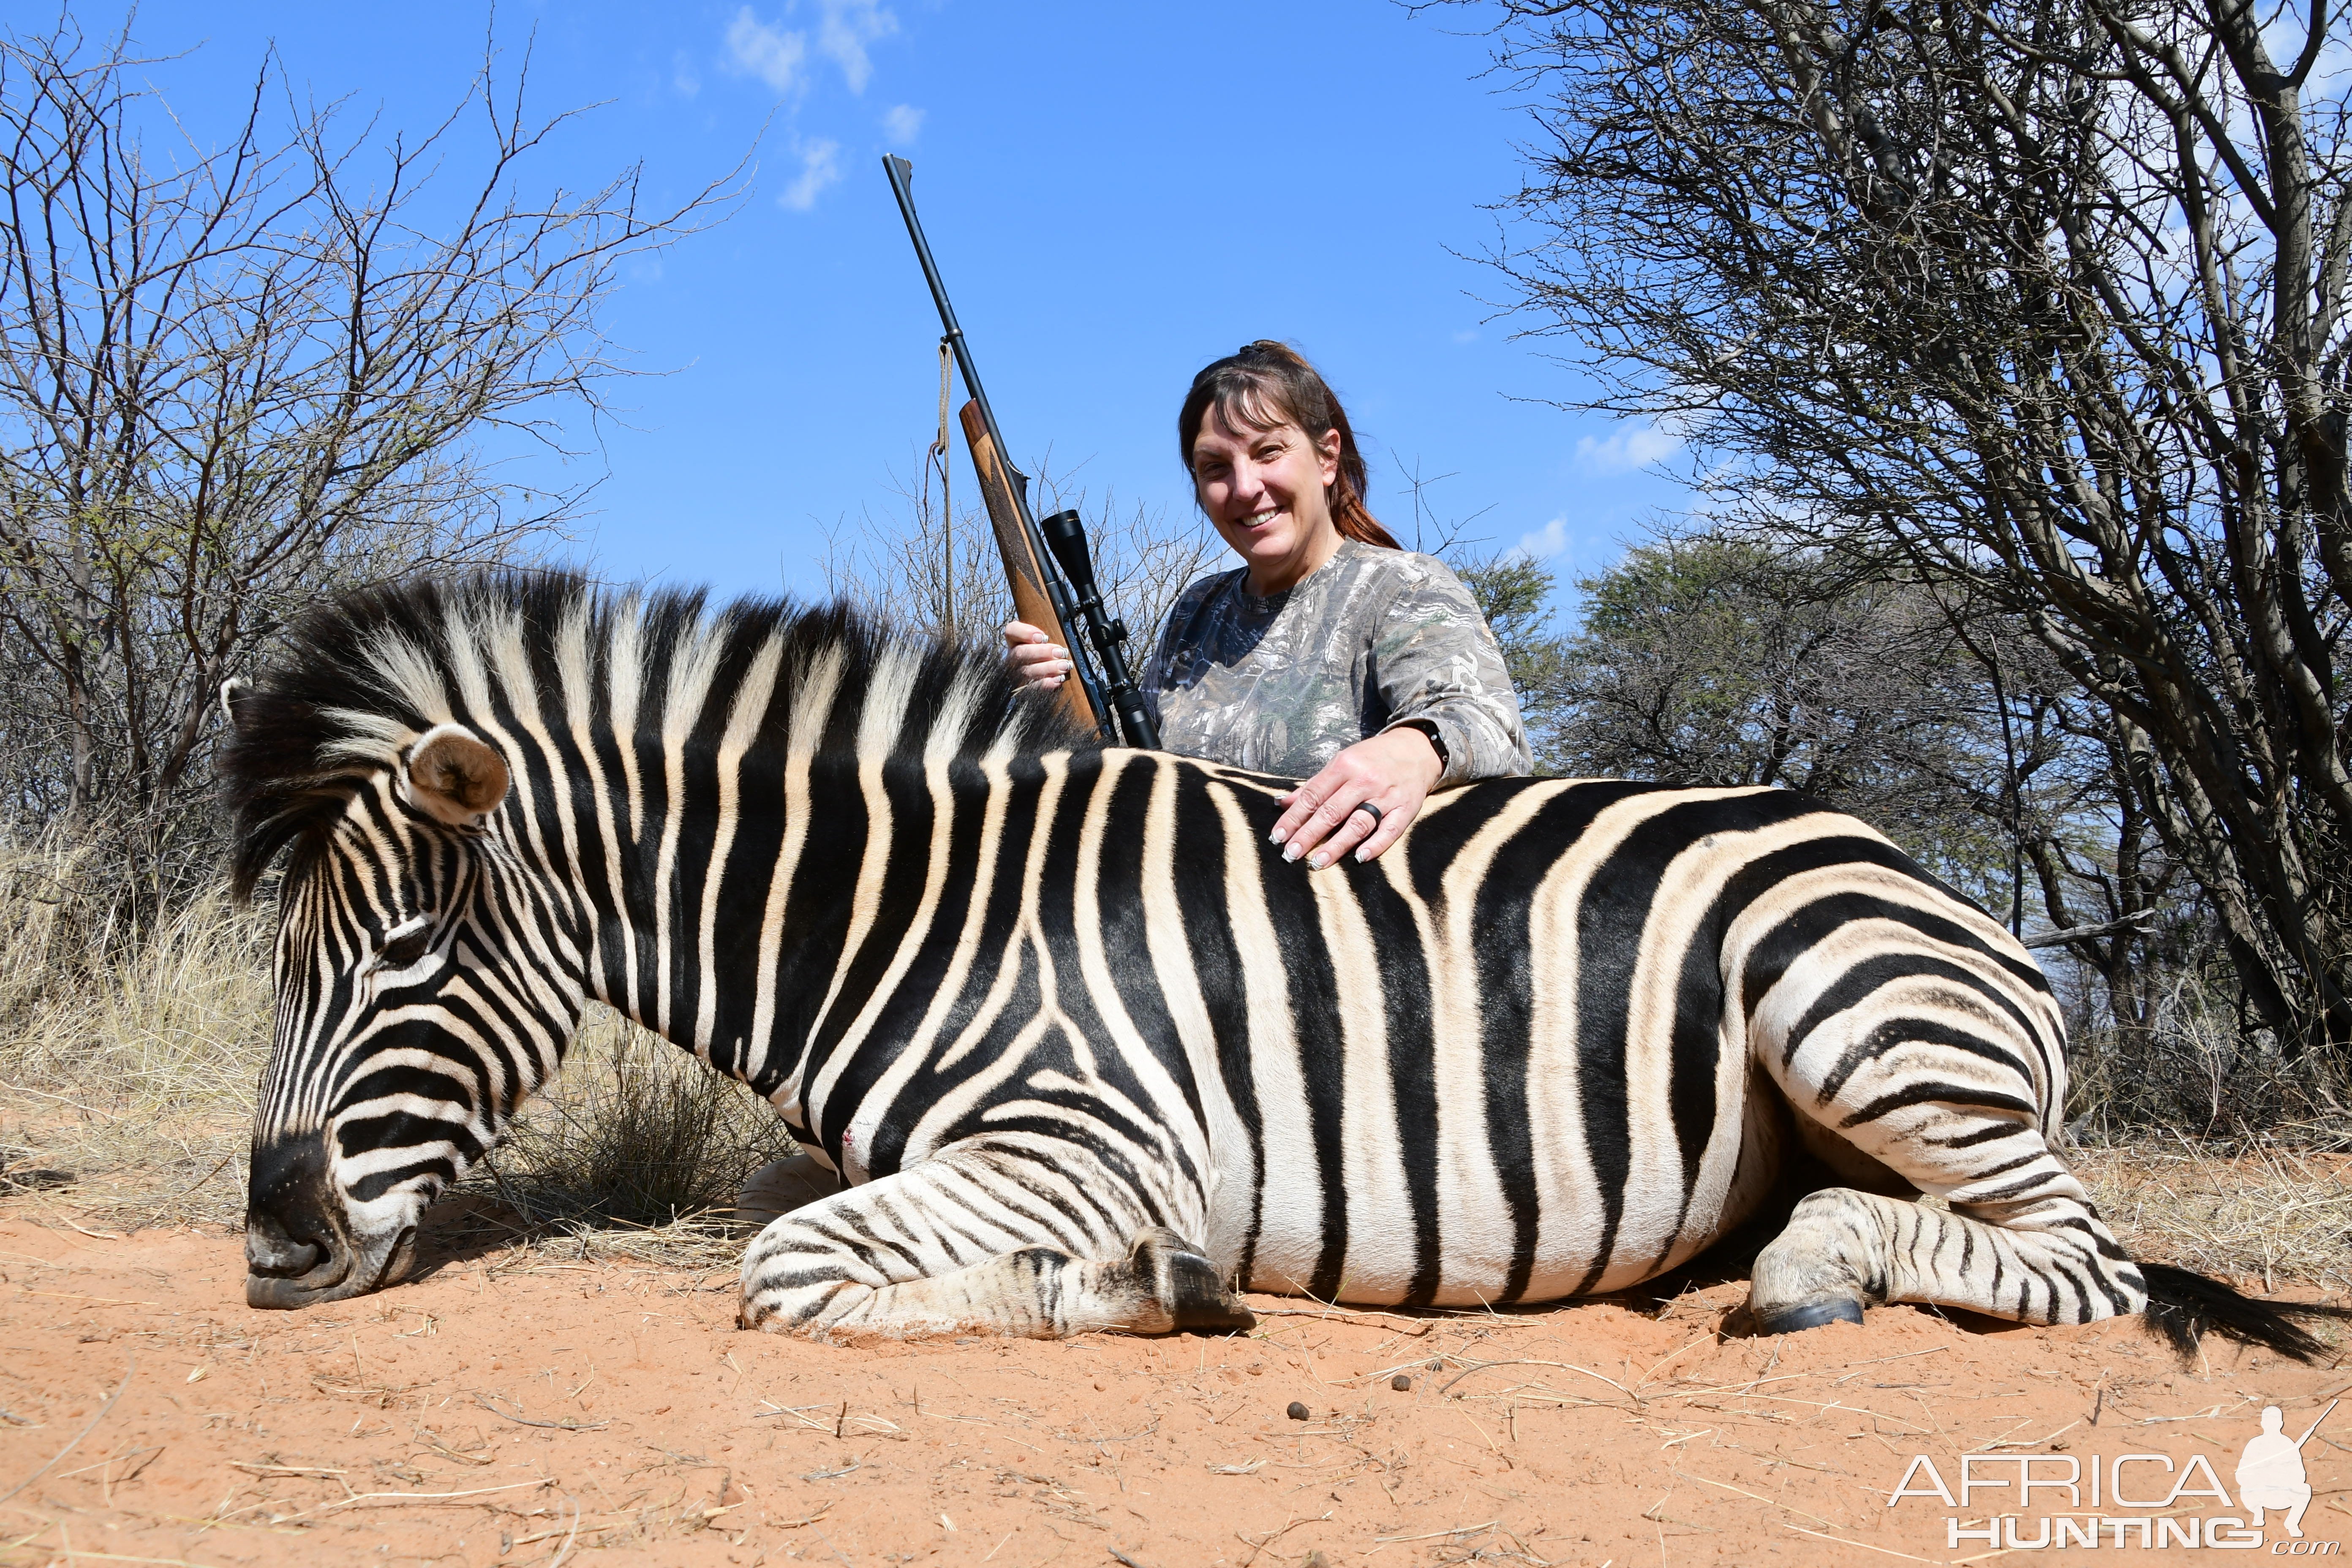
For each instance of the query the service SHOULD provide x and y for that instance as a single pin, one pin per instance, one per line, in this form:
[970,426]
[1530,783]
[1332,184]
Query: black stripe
[1199,879]
[1411,1023]
[1321,1043]
[1890,1033]
[1934,1091]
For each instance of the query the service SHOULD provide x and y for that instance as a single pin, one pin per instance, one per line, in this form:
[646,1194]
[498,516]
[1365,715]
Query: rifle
[1041,596]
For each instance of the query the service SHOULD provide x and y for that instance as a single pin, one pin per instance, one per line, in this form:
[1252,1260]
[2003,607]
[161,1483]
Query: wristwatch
[1437,742]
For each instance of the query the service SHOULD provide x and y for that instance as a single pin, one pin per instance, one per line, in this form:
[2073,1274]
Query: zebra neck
[739,895]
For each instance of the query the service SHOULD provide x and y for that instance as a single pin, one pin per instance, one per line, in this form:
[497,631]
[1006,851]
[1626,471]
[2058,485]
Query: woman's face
[1262,489]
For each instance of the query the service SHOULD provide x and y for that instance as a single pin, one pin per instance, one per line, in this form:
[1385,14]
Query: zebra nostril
[271,1249]
[304,1256]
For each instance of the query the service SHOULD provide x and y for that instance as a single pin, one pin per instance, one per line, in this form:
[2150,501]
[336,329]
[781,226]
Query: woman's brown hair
[1269,384]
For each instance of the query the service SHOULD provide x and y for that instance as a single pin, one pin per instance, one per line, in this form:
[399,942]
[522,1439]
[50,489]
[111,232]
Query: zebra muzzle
[297,1251]
[286,1269]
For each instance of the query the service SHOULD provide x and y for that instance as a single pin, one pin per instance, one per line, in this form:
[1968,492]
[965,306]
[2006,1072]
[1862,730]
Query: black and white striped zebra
[1089,1053]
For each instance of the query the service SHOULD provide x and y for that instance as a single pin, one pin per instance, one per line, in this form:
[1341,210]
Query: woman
[1332,654]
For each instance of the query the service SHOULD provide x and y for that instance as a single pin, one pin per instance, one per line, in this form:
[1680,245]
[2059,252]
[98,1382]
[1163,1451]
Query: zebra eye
[406,949]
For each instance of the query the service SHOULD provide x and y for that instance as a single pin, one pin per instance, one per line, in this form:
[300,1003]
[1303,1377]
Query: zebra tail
[2184,1306]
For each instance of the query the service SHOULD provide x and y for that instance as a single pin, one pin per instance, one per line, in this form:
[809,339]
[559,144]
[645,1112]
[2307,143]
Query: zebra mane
[359,679]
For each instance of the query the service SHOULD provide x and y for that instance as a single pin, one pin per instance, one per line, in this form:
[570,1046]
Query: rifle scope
[1066,533]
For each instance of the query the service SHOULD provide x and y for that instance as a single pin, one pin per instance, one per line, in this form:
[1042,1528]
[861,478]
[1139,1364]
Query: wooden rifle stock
[1022,572]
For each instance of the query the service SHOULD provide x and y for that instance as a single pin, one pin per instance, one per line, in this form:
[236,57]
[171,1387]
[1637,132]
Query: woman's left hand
[1394,771]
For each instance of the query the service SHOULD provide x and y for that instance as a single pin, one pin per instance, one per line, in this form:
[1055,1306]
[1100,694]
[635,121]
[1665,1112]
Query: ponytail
[1267,384]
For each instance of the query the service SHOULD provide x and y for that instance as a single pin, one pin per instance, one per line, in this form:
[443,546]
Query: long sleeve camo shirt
[1370,639]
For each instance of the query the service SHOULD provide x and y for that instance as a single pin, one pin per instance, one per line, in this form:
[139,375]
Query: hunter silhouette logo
[2270,1473]
[2128,1500]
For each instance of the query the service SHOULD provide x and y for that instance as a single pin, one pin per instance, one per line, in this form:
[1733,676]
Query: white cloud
[772,55]
[779,56]
[1467,335]
[682,77]
[849,25]
[903,124]
[1636,444]
[1545,542]
[820,167]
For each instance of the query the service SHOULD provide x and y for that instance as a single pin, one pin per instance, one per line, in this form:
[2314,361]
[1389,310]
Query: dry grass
[130,1067]
[636,1153]
[2263,1212]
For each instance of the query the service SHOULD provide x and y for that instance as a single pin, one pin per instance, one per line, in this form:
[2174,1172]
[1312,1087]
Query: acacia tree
[2041,302]
[233,377]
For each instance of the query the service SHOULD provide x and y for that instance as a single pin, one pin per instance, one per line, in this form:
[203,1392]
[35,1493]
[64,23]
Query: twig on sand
[565,1550]
[1418,1327]
[1269,1538]
[130,1368]
[566,1426]
[1437,1534]
[1865,1545]
[184,1192]
[1564,1366]
[409,1497]
[94,1236]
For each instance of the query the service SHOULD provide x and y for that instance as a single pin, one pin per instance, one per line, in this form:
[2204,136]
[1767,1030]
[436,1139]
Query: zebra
[1083,1051]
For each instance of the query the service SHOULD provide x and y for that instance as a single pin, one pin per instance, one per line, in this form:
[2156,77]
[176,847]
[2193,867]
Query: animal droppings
[1298,1412]
[1401,1383]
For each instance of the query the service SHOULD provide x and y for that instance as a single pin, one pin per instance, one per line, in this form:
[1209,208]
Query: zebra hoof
[1199,1300]
[1809,1315]
[1188,1286]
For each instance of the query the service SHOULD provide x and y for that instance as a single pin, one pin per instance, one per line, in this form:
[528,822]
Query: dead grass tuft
[2263,1211]
[130,1066]
[635,1153]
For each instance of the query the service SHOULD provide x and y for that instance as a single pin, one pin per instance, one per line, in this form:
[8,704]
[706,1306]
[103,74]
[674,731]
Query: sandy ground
[517,1408]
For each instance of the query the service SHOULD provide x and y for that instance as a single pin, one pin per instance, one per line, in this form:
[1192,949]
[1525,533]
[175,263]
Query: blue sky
[1116,194]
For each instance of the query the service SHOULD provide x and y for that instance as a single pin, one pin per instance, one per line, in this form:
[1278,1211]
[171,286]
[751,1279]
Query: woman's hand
[1037,665]
[1394,770]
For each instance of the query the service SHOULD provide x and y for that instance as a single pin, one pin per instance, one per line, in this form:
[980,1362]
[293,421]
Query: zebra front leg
[1009,1240]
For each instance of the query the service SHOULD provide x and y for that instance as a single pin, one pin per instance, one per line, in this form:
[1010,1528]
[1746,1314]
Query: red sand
[514,1409]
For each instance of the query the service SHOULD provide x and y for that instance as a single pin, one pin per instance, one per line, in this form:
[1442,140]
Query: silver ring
[1368,806]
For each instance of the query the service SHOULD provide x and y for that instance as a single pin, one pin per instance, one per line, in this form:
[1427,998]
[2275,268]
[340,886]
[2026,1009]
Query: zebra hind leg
[1949,1095]
[1842,1249]
[945,1247]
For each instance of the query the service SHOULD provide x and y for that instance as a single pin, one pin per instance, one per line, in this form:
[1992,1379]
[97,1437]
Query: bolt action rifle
[1044,597]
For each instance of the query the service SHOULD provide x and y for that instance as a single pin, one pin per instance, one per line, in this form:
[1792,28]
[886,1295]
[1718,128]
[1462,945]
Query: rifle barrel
[2307,1431]
[902,173]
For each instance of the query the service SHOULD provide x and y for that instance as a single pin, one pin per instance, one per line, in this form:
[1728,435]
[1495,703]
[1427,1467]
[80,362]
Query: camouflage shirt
[1370,639]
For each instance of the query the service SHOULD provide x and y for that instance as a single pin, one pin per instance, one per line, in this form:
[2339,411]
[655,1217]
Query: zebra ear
[454,776]
[233,691]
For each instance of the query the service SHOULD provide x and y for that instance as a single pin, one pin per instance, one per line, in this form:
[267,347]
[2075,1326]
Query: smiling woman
[1332,654]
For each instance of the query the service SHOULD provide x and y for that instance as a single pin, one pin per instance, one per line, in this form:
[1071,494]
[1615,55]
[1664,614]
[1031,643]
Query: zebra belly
[1477,1264]
[1476,1252]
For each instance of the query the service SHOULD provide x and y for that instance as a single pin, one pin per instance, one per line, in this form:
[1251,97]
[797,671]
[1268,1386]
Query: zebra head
[418,999]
